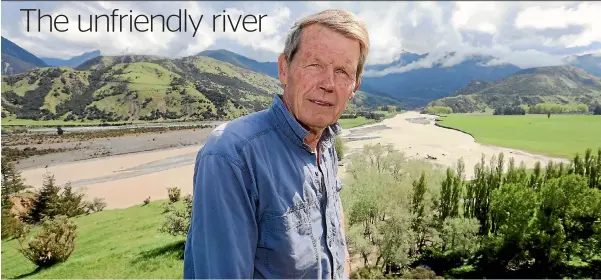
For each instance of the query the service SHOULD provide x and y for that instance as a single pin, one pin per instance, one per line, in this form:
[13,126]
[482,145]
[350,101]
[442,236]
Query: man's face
[320,79]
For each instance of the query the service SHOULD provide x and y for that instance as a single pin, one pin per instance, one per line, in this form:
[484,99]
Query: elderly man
[266,187]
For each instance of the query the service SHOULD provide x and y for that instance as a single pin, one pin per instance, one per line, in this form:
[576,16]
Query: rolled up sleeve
[223,232]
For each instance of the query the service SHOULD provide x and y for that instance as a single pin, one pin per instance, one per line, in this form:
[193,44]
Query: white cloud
[526,34]
[586,14]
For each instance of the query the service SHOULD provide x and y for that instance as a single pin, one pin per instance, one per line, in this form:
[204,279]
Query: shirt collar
[294,130]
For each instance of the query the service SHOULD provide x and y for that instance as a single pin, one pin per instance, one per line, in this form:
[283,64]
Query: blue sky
[527,34]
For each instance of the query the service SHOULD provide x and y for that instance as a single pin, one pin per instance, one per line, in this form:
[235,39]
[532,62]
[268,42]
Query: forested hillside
[555,84]
[137,88]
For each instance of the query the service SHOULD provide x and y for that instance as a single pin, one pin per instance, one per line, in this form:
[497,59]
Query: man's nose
[327,80]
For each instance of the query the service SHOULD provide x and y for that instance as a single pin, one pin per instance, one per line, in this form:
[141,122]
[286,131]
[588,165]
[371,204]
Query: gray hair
[340,21]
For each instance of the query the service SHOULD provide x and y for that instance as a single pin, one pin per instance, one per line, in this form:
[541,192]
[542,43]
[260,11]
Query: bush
[420,273]
[12,227]
[53,244]
[146,201]
[174,194]
[339,147]
[178,222]
[367,273]
[437,110]
[96,205]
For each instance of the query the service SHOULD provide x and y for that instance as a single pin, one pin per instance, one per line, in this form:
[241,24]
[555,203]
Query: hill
[137,88]
[17,60]
[267,68]
[554,84]
[73,61]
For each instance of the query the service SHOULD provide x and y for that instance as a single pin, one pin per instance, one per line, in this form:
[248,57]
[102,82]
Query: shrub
[437,110]
[53,244]
[174,194]
[339,147]
[367,273]
[420,273]
[96,205]
[12,227]
[178,222]
[146,201]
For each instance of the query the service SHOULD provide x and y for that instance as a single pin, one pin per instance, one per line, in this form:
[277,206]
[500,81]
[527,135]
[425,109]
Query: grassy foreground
[120,243]
[560,135]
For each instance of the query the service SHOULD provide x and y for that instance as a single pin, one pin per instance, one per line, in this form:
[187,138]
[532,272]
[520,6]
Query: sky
[526,34]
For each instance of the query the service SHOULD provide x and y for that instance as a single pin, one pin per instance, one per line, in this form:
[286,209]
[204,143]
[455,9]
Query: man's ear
[282,69]
[357,85]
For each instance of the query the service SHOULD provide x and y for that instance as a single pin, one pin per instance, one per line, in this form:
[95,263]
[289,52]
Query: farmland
[559,135]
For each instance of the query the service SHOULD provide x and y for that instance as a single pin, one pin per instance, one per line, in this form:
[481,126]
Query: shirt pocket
[287,246]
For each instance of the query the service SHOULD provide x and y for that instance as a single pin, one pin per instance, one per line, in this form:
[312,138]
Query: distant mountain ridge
[555,84]
[423,84]
[589,62]
[73,61]
[17,60]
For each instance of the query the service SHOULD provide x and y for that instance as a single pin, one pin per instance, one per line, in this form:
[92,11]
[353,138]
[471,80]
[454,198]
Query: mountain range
[219,78]
[71,62]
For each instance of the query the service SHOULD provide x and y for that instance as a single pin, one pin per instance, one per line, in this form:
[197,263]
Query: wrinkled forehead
[320,42]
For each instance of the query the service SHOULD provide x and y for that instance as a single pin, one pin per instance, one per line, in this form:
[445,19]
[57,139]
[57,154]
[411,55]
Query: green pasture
[559,135]
[123,243]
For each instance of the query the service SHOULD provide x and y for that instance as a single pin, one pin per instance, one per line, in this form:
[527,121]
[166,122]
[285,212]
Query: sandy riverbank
[417,136]
[126,180]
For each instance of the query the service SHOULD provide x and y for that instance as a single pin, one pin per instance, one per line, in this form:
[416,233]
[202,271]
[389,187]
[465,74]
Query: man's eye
[341,71]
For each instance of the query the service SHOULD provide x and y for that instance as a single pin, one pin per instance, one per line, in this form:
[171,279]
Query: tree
[70,203]
[47,203]
[418,208]
[12,182]
[446,195]
[457,188]
[339,147]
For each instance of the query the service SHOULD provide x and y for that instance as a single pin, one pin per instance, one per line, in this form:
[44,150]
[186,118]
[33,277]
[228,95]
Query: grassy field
[123,243]
[359,121]
[560,135]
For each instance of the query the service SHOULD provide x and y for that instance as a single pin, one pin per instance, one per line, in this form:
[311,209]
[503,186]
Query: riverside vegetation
[406,218]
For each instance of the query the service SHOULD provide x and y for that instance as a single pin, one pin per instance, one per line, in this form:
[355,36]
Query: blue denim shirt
[263,207]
